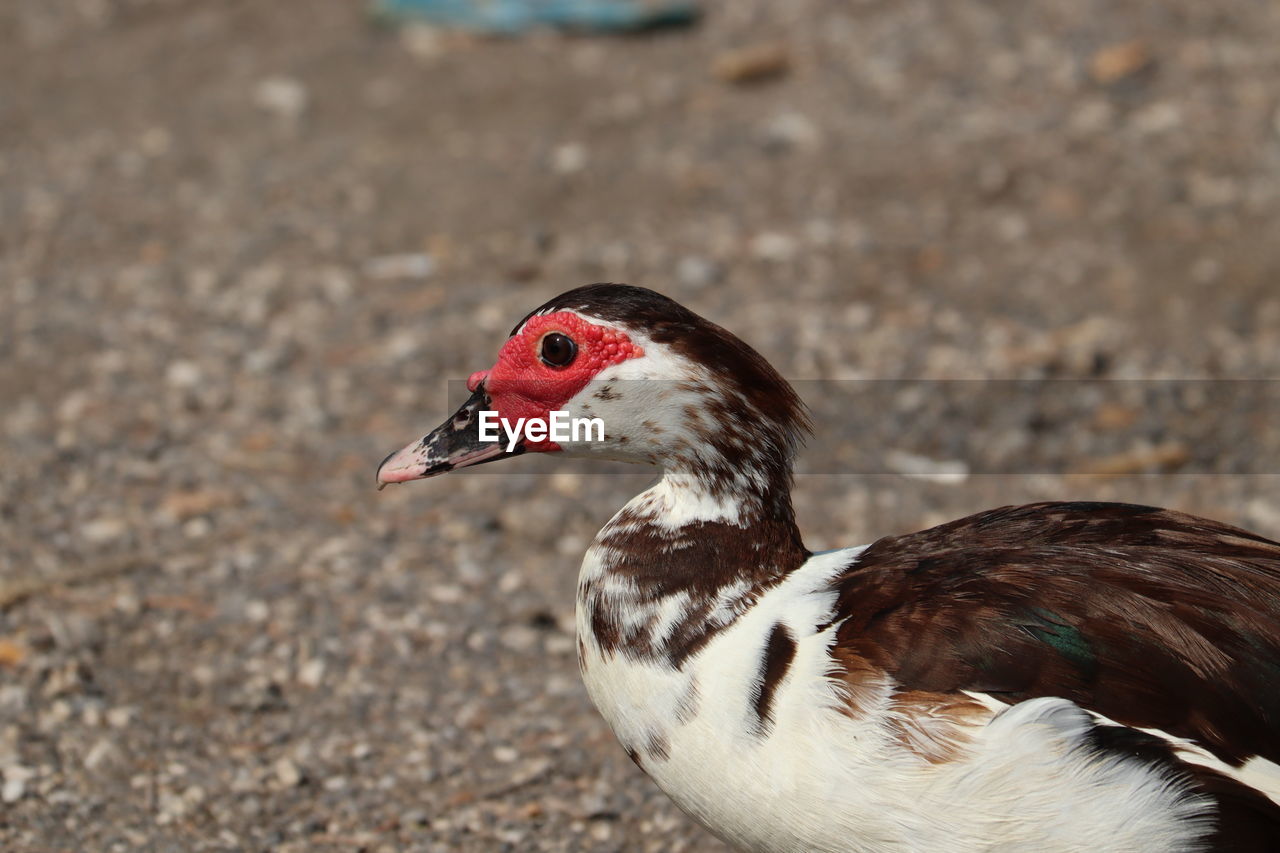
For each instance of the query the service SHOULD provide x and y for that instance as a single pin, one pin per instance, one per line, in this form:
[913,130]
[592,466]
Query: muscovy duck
[1050,677]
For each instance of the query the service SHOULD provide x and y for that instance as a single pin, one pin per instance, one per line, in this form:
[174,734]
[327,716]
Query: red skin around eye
[522,386]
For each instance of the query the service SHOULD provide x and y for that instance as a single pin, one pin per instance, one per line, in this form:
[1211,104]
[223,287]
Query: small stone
[14,699]
[422,42]
[994,179]
[257,611]
[16,777]
[774,246]
[287,773]
[73,406]
[184,374]
[944,471]
[1157,118]
[13,789]
[1207,190]
[311,673]
[506,755]
[571,544]
[1115,62]
[171,807]
[1092,116]
[790,131]
[412,265]
[1263,513]
[447,593]
[103,754]
[567,483]
[1113,416]
[120,717]
[560,645]
[197,528]
[756,63]
[1011,226]
[1206,271]
[182,505]
[696,272]
[1169,456]
[284,96]
[102,530]
[73,630]
[569,158]
[155,142]
[12,653]
[520,638]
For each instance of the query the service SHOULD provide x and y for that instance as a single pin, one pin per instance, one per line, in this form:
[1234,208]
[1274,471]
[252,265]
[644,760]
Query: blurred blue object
[512,17]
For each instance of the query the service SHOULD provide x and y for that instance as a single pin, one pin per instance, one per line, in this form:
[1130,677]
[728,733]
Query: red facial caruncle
[538,372]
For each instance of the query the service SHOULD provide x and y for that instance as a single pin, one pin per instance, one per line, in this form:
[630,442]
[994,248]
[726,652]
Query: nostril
[474,380]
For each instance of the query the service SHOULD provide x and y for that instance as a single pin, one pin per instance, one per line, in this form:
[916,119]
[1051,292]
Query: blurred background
[245,245]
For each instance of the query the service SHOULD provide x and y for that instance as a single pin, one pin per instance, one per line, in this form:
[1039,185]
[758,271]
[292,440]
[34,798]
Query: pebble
[120,717]
[311,673]
[696,272]
[13,789]
[184,374]
[1160,117]
[948,472]
[424,43]
[287,774]
[409,265]
[774,246]
[185,504]
[1116,62]
[1167,456]
[197,528]
[102,755]
[287,97]
[16,777]
[257,611]
[1207,190]
[14,698]
[102,530]
[790,131]
[569,159]
[755,63]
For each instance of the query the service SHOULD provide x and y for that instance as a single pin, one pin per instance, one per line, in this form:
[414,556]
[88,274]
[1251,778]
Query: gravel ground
[242,252]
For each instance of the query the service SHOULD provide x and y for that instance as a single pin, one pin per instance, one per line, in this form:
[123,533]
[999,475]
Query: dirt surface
[245,244]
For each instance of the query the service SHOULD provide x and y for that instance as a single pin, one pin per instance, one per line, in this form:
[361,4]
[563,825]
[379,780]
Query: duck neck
[685,558]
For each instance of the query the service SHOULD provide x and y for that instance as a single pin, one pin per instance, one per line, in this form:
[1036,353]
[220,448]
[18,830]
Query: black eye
[558,350]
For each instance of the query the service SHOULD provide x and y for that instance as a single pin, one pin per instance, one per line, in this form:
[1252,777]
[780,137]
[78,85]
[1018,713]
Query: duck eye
[558,350]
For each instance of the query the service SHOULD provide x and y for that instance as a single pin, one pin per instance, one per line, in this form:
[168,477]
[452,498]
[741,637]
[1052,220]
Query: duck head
[619,372]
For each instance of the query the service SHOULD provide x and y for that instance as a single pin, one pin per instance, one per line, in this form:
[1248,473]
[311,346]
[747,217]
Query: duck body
[1051,677]
[768,736]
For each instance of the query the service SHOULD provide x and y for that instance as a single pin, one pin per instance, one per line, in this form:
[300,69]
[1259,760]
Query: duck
[1055,677]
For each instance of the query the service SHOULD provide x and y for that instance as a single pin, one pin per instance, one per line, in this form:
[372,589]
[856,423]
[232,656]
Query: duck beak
[454,444]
